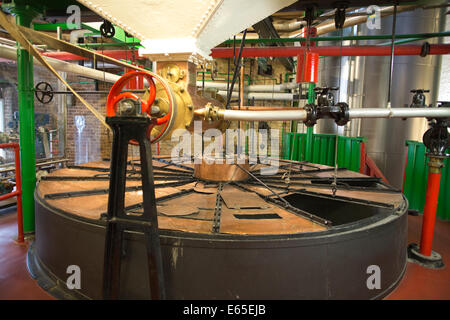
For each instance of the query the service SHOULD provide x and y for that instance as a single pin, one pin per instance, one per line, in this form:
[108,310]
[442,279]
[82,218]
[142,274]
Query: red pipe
[66,56]
[329,51]
[18,192]
[429,213]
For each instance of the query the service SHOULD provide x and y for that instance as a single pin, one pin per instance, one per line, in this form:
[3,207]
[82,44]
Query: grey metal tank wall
[329,72]
[386,137]
[345,73]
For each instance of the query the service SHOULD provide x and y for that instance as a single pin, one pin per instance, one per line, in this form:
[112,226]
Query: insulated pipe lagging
[399,113]
[251,88]
[243,115]
[10,53]
[262,95]
[301,114]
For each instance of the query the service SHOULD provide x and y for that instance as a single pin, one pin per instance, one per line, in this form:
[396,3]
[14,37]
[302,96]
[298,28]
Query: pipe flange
[211,113]
[343,115]
[434,261]
[311,115]
[425,50]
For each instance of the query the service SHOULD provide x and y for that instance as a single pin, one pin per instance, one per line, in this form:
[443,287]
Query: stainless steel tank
[386,137]
[345,73]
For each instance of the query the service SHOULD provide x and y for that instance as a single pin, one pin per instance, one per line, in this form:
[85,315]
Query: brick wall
[94,141]
[82,146]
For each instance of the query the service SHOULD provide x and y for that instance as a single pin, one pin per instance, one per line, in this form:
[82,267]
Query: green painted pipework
[287,74]
[401,41]
[264,79]
[25,86]
[361,37]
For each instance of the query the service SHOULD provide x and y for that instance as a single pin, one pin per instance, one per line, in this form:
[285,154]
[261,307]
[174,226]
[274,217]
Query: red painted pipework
[329,51]
[18,192]
[429,213]
[66,56]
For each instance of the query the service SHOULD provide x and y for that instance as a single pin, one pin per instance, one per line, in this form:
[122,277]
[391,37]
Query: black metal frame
[117,219]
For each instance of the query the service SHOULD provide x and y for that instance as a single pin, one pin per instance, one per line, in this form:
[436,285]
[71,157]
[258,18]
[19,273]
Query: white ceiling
[183,29]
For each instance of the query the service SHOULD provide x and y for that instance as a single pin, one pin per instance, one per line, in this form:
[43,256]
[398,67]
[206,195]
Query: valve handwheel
[116,95]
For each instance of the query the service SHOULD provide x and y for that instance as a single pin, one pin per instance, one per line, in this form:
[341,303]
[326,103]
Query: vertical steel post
[25,86]
[310,130]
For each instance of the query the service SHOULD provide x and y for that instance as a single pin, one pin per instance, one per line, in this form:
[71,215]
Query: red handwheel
[116,95]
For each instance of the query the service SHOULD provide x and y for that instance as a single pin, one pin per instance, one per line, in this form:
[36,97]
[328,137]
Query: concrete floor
[418,282]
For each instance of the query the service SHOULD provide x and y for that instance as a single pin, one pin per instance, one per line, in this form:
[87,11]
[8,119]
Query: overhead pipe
[251,88]
[289,25]
[408,36]
[116,54]
[9,53]
[329,26]
[332,51]
[262,95]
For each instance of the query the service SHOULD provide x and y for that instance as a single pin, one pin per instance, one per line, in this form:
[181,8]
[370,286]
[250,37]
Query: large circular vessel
[279,236]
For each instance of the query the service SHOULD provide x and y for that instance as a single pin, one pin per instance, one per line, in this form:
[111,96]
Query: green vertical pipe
[310,130]
[25,87]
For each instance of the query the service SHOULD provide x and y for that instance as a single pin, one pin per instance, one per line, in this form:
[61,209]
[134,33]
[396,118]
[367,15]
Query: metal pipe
[289,26]
[329,26]
[263,108]
[332,51]
[244,115]
[301,114]
[59,65]
[252,88]
[431,201]
[67,56]
[355,38]
[262,95]
[399,113]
